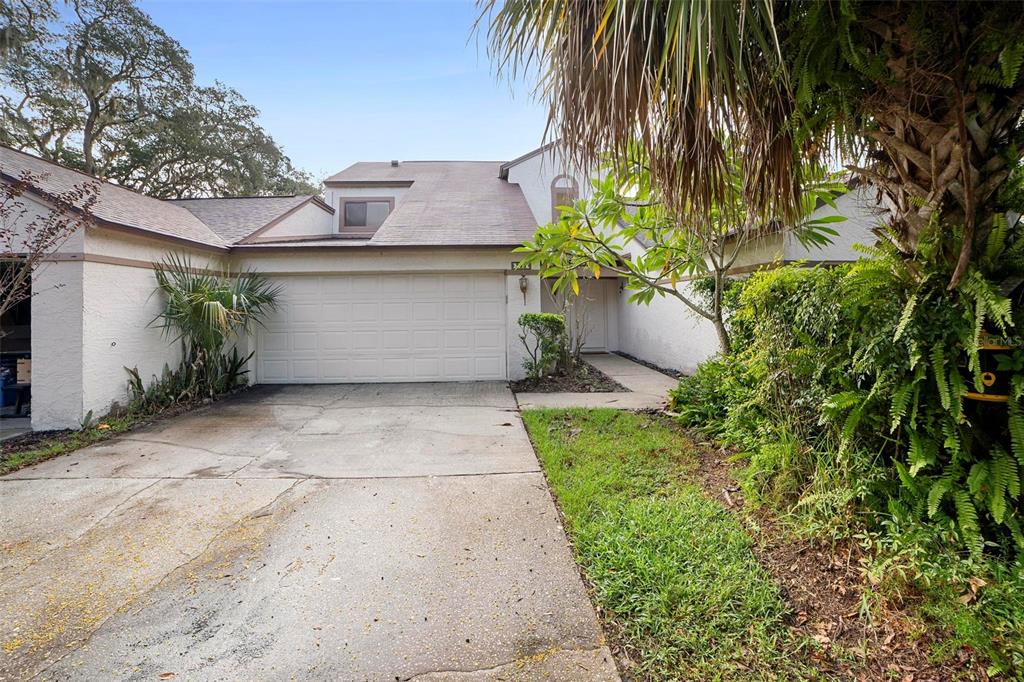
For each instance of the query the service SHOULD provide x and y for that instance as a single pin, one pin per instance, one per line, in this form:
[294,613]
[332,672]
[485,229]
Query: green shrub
[543,336]
[847,395]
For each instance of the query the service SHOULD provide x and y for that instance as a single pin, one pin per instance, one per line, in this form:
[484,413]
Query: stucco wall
[310,220]
[517,305]
[862,215]
[57,396]
[534,177]
[119,304]
[665,333]
[86,332]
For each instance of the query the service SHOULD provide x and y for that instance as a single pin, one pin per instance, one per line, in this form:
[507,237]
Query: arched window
[564,191]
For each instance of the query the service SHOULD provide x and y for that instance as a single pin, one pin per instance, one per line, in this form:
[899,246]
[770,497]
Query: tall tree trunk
[89,139]
[724,342]
[940,141]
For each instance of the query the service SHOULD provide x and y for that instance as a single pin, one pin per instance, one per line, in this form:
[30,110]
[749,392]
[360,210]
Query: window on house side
[564,192]
[368,214]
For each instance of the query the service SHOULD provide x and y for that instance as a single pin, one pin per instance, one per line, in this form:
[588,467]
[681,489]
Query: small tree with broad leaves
[29,236]
[593,236]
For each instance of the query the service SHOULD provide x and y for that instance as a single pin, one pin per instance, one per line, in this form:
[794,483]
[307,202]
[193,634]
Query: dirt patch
[32,440]
[825,587]
[588,379]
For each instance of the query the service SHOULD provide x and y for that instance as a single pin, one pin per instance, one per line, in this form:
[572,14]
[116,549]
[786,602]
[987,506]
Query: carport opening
[16,365]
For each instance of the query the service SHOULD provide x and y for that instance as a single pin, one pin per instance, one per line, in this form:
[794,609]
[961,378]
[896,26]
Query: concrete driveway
[356,532]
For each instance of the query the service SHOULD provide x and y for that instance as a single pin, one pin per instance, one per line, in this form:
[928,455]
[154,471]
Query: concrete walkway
[360,532]
[14,426]
[648,388]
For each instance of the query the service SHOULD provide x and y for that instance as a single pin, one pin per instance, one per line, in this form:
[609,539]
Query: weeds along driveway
[359,532]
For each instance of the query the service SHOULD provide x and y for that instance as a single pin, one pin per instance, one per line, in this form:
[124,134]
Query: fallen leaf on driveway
[167,676]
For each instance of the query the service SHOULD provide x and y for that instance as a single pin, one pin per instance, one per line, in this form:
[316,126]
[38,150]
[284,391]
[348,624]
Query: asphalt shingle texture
[114,204]
[234,219]
[449,203]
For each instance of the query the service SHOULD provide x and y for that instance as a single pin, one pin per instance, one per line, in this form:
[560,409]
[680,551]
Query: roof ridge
[94,178]
[243,196]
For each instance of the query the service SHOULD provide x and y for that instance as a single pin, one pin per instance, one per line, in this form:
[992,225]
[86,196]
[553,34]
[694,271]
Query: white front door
[588,316]
[383,328]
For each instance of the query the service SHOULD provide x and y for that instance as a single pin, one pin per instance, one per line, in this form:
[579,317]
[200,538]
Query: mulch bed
[824,586]
[588,379]
[675,374]
[31,440]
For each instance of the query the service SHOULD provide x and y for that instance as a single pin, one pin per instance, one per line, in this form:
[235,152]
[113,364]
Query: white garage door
[390,327]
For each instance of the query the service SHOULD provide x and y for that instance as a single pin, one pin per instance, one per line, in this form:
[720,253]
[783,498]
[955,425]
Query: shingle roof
[235,218]
[448,203]
[114,204]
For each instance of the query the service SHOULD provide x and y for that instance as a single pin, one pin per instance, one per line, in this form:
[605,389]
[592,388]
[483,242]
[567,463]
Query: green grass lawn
[62,444]
[671,569]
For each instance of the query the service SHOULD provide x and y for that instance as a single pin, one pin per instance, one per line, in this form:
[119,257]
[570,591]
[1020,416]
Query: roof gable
[236,218]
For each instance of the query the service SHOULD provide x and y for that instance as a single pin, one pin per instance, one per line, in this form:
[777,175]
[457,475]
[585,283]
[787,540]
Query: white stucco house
[666,333]
[403,272]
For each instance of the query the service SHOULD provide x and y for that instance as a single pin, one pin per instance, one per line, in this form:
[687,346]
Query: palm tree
[923,99]
[204,310]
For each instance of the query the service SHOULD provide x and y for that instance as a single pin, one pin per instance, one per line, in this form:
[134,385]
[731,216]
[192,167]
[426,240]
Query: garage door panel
[457,311]
[336,311]
[457,285]
[492,367]
[429,311]
[276,370]
[487,339]
[493,288]
[306,370]
[367,328]
[304,312]
[365,368]
[304,341]
[457,339]
[366,312]
[276,341]
[333,341]
[486,311]
[394,340]
[458,368]
[426,340]
[395,311]
[365,340]
[300,288]
[396,369]
[426,286]
[366,286]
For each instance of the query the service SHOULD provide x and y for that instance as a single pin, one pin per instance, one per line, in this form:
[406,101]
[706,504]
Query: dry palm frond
[680,76]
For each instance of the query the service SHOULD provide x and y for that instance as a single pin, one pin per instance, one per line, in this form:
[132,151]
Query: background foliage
[96,85]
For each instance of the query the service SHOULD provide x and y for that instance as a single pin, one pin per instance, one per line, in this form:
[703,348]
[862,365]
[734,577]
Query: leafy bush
[847,393]
[858,374]
[543,336]
[187,384]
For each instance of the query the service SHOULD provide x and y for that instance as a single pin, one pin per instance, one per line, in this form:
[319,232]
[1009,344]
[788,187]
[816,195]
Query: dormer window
[364,215]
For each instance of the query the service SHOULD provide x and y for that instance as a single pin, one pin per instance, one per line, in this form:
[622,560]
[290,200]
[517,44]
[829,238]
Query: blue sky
[339,82]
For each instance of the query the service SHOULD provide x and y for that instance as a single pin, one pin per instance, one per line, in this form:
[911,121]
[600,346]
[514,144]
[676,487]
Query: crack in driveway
[363,561]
